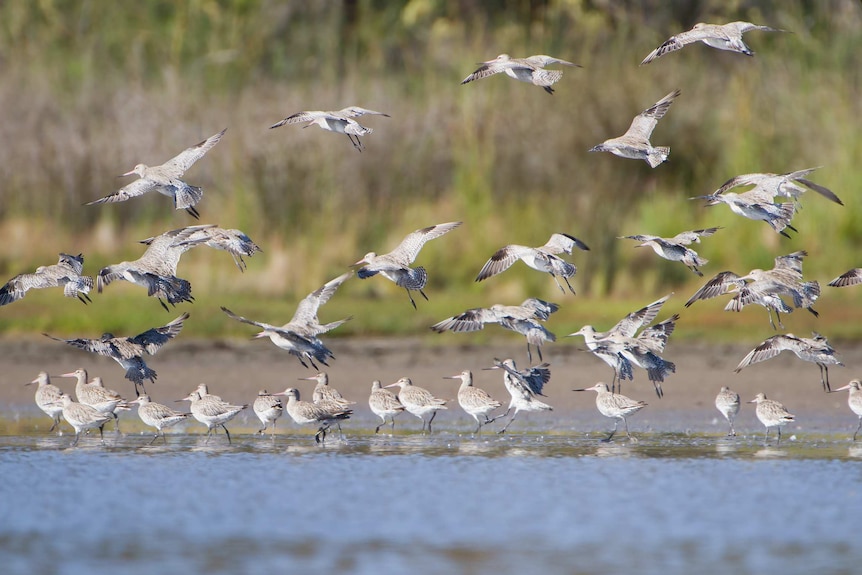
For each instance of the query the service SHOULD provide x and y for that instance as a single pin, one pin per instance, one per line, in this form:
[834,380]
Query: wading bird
[615,406]
[523,387]
[475,401]
[771,414]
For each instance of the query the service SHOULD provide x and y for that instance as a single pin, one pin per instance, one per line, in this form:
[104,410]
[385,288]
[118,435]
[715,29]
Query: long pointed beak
[72,374]
[845,388]
[132,173]
[490,368]
[359,263]
[451,377]
[392,385]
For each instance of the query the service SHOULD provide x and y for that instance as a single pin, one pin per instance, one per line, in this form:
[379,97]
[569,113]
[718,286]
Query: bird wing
[356,111]
[645,122]
[686,238]
[629,325]
[249,321]
[823,191]
[563,243]
[470,320]
[178,165]
[409,247]
[153,339]
[769,348]
[674,43]
[641,238]
[502,260]
[306,310]
[791,262]
[99,346]
[849,278]
[541,60]
[741,180]
[301,117]
[716,286]
[137,188]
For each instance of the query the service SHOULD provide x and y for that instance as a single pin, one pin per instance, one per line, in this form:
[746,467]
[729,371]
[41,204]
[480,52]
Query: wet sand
[237,369]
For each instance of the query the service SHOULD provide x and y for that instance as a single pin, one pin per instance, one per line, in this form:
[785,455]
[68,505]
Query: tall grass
[92,88]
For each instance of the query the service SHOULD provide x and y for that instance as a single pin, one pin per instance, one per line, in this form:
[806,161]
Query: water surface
[448,503]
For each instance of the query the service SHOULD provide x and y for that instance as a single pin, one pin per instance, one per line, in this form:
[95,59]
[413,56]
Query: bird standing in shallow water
[268,409]
[48,398]
[305,412]
[166,179]
[157,415]
[418,401]
[727,402]
[615,406]
[854,400]
[475,401]
[83,417]
[395,266]
[771,414]
[384,404]
[212,412]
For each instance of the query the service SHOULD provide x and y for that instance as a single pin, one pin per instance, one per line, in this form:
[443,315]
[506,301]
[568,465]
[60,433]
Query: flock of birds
[633,342]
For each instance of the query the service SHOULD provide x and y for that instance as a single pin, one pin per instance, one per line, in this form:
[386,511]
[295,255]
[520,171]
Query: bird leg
[423,295]
[155,437]
[193,212]
[77,437]
[779,436]
[556,281]
[658,390]
[411,298]
[629,435]
[571,289]
[529,354]
[102,434]
[855,433]
[508,423]
[164,305]
[609,437]
[824,382]
[433,415]
[227,433]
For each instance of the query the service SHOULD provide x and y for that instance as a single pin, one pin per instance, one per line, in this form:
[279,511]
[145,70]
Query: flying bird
[543,258]
[635,142]
[521,319]
[765,288]
[780,185]
[166,179]
[129,351]
[340,122]
[395,266]
[156,269]
[815,349]
[66,273]
[530,70]
[675,249]
[721,36]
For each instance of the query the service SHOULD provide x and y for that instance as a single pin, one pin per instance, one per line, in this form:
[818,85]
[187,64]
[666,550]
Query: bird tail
[657,156]
[187,196]
[413,278]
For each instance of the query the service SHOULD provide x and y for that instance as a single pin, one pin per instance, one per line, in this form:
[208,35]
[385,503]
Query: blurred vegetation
[92,88]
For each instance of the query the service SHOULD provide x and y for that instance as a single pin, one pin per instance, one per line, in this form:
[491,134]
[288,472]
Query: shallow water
[448,503]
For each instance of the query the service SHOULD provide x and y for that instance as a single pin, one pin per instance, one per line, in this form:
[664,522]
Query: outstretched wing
[178,165]
[716,286]
[153,339]
[769,348]
[409,247]
[137,188]
[629,325]
[645,122]
[306,310]
[471,320]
